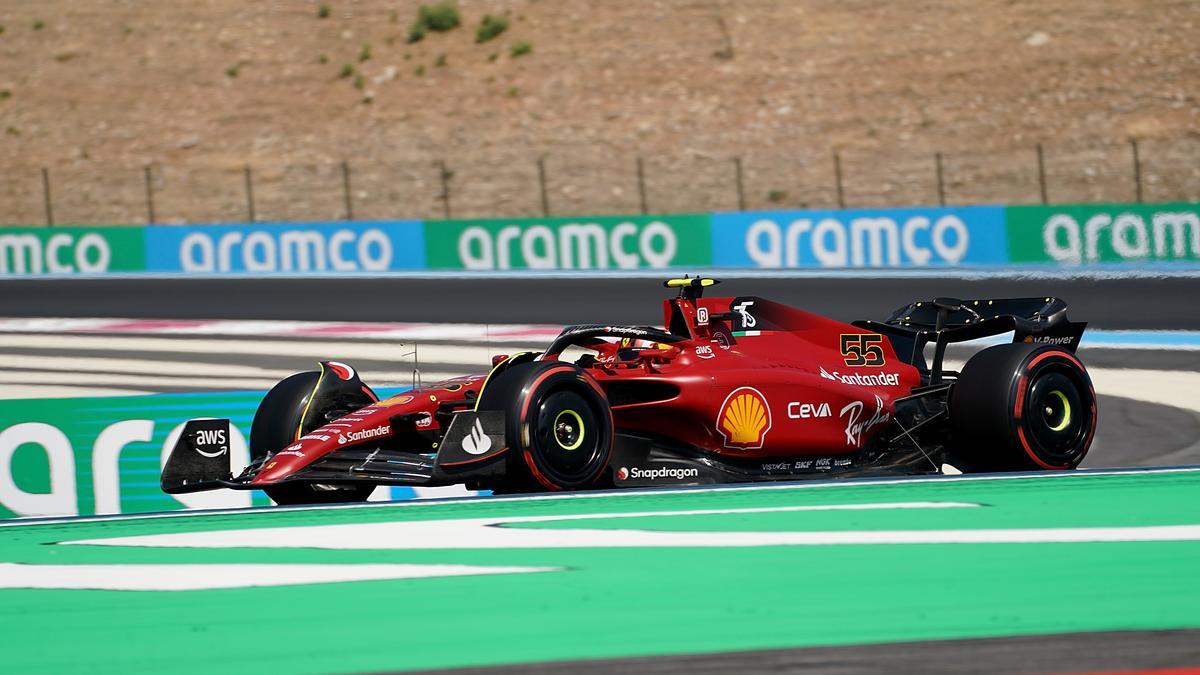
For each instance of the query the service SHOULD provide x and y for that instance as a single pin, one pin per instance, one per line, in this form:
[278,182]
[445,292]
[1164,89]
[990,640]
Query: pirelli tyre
[1023,407]
[280,420]
[558,425]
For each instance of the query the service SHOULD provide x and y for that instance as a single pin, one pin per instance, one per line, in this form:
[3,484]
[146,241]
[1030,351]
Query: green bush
[440,60]
[347,70]
[323,11]
[359,81]
[520,49]
[438,18]
[364,54]
[490,28]
[233,71]
[776,196]
[39,24]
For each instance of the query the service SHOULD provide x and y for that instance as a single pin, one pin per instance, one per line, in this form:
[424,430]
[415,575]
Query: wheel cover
[567,437]
[1057,414]
[569,430]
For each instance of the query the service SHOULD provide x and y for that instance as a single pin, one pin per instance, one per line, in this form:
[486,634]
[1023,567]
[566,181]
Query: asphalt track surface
[1137,433]
[1113,303]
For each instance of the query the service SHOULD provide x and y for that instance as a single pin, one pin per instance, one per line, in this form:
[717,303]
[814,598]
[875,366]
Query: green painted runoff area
[627,602]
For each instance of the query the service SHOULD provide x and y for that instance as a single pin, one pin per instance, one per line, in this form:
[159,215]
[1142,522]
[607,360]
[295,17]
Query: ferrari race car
[731,390]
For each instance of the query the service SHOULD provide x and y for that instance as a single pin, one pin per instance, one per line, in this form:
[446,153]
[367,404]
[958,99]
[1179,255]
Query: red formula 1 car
[731,390]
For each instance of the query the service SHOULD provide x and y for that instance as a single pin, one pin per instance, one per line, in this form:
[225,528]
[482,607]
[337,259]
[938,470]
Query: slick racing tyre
[1023,407]
[558,425]
[275,427]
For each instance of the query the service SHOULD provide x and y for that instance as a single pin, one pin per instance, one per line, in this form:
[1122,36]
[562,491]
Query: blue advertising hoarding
[338,248]
[909,237]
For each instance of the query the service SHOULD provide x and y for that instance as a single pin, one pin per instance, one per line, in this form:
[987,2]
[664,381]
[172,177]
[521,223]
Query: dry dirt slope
[97,89]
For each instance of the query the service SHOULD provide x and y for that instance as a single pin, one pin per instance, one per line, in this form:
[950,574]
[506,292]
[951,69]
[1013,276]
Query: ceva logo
[568,246]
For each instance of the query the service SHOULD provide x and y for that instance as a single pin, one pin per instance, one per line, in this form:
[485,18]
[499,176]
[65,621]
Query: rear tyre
[558,425]
[1023,407]
[275,427]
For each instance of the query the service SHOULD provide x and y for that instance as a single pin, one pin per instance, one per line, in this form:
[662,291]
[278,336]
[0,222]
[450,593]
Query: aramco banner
[85,456]
[1112,234]
[593,243]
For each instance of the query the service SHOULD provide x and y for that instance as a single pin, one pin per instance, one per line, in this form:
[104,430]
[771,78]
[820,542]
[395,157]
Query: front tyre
[558,425]
[1023,407]
[278,423]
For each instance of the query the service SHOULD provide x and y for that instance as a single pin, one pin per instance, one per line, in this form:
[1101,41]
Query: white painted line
[343,351]
[309,329]
[464,533]
[190,577]
[1166,271]
[37,391]
[505,533]
[613,494]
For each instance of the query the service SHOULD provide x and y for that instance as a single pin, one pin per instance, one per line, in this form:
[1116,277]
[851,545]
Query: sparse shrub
[420,70]
[520,49]
[440,60]
[38,24]
[438,18]
[5,94]
[12,131]
[359,81]
[323,10]
[776,196]
[490,28]
[514,92]
[493,56]
[1,29]
[347,70]
[234,70]
[364,54]
[322,59]
[368,100]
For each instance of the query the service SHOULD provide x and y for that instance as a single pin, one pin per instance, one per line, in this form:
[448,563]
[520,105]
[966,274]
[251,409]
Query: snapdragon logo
[867,241]
[60,253]
[287,250]
[654,474]
[1167,235]
[567,246]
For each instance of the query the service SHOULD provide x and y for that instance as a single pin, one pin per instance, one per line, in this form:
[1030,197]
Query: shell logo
[744,419]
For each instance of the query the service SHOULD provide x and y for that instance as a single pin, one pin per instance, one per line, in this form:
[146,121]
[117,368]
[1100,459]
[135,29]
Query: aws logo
[744,419]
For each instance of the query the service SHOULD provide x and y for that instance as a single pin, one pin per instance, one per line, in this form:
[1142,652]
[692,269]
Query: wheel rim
[1057,407]
[1056,415]
[567,436]
[569,430]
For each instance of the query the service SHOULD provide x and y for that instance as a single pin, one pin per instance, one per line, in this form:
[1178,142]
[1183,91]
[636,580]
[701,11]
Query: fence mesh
[492,185]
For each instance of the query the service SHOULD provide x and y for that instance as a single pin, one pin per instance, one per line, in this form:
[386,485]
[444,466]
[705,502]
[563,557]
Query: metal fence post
[444,176]
[737,168]
[150,216]
[346,190]
[837,176]
[249,192]
[940,181]
[1137,169]
[542,182]
[46,197]
[641,176]
[1042,173]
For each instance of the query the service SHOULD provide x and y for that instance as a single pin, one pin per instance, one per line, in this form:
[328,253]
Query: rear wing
[946,320]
